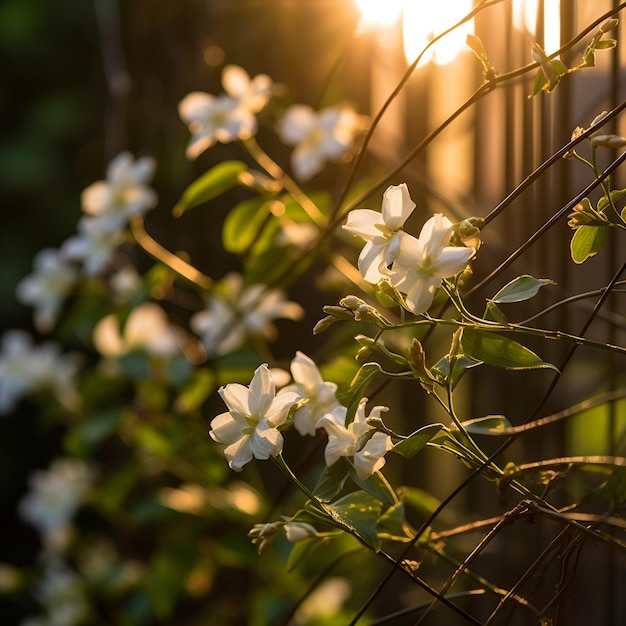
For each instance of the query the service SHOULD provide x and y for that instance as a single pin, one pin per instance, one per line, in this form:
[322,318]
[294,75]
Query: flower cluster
[256,415]
[109,205]
[54,497]
[318,136]
[26,368]
[235,312]
[228,116]
[414,266]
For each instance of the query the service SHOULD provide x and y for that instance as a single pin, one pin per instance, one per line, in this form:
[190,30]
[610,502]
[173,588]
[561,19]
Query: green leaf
[493,312]
[410,446]
[359,511]
[366,374]
[213,183]
[300,551]
[500,351]
[332,480]
[375,486]
[393,525]
[441,369]
[196,391]
[520,289]
[86,437]
[616,196]
[243,224]
[587,241]
[488,425]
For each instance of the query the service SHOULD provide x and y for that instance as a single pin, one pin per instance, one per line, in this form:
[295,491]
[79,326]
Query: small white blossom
[250,426]
[95,243]
[26,368]
[125,283]
[421,264]
[214,118]
[241,312]
[54,497]
[252,94]
[228,116]
[346,441]
[47,287]
[124,194]
[309,385]
[62,596]
[318,136]
[382,231]
[147,328]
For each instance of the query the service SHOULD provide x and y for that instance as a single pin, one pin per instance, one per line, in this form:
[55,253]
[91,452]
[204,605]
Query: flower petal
[225,429]
[371,457]
[397,206]
[239,453]
[277,413]
[371,259]
[420,296]
[435,235]
[364,222]
[236,398]
[262,391]
[305,372]
[452,260]
[266,441]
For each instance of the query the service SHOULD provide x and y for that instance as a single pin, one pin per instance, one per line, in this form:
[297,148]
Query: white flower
[26,368]
[421,264]
[124,194]
[252,94]
[371,457]
[214,118]
[61,594]
[147,328]
[250,426]
[54,497]
[16,361]
[318,137]
[46,288]
[320,395]
[241,312]
[94,244]
[346,441]
[125,283]
[382,231]
[228,116]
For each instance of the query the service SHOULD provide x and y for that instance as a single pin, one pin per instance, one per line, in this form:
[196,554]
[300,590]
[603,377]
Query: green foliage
[211,184]
[500,351]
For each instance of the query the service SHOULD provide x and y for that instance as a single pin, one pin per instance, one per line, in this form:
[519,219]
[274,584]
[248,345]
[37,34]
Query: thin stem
[274,170]
[171,260]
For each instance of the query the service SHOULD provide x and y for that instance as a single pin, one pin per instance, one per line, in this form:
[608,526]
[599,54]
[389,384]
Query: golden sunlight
[380,12]
[423,21]
[525,19]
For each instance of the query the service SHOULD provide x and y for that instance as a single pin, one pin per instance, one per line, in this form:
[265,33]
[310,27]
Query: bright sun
[421,21]
[424,19]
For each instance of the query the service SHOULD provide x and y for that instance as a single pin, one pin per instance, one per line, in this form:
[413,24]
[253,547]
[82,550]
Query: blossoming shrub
[312,460]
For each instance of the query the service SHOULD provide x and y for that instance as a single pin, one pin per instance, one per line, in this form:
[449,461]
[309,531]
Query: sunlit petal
[364,222]
[397,206]
[226,429]
[452,260]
